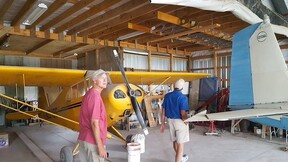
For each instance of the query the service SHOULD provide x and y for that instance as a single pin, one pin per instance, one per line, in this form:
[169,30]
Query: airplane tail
[258,68]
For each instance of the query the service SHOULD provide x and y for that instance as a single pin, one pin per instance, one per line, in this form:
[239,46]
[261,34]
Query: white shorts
[179,131]
[89,152]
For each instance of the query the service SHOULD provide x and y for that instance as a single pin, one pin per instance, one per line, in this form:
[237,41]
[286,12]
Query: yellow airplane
[64,109]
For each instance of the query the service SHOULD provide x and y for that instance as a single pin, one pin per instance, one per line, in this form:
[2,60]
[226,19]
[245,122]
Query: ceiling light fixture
[71,55]
[37,12]
[130,35]
[135,52]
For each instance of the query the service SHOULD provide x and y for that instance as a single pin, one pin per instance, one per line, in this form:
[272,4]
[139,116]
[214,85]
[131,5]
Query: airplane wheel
[66,154]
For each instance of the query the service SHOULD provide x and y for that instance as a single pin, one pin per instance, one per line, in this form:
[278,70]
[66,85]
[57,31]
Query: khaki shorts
[89,152]
[179,131]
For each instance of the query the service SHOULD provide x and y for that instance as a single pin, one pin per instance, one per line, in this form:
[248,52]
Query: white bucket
[140,138]
[133,152]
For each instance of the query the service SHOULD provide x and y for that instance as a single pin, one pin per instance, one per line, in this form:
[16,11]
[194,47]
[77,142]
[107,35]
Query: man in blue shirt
[175,107]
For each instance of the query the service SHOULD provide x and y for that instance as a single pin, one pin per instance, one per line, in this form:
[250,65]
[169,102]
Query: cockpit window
[119,94]
[138,93]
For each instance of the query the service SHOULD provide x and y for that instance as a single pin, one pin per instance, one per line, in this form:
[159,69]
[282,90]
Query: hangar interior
[150,37]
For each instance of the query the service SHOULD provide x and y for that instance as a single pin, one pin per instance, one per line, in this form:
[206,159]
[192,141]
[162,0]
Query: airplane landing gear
[66,154]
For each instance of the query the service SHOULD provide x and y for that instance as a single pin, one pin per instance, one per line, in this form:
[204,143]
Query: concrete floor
[241,147]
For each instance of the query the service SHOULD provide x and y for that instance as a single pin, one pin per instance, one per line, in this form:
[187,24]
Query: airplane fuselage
[116,101]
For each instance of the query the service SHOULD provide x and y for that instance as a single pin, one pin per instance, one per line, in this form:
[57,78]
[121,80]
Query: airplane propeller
[131,94]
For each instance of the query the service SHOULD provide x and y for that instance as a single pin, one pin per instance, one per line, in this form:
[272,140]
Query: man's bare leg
[179,149]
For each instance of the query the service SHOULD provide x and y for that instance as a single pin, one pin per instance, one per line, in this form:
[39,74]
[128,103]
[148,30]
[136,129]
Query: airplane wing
[32,76]
[156,78]
[237,114]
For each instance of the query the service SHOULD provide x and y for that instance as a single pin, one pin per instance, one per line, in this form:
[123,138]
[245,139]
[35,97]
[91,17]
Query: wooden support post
[97,58]
[149,60]
[148,100]
[215,64]
[234,124]
[171,62]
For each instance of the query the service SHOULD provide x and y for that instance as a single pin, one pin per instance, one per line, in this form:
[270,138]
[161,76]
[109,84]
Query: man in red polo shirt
[93,122]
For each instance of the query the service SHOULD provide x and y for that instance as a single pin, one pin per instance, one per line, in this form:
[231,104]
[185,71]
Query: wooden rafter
[144,38]
[58,53]
[146,17]
[27,6]
[193,30]
[216,18]
[73,1]
[232,24]
[127,7]
[78,6]
[120,33]
[173,20]
[92,11]
[120,19]
[34,48]
[139,28]
[3,39]
[5,7]
[177,36]
[51,9]
[111,25]
[181,45]
[199,48]
[178,21]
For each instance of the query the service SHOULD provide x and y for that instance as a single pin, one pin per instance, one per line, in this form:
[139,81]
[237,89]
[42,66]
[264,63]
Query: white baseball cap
[179,84]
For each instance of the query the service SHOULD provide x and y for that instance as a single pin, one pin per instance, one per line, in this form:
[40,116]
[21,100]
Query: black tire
[66,154]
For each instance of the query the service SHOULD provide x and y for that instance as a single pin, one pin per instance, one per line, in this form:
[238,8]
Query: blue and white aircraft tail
[259,78]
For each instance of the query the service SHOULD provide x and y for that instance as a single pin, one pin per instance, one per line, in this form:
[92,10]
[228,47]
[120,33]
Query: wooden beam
[5,8]
[51,9]
[201,57]
[149,60]
[193,30]
[139,28]
[184,39]
[217,17]
[73,1]
[27,6]
[4,39]
[22,53]
[171,63]
[103,6]
[78,6]
[9,52]
[215,60]
[285,46]
[174,20]
[137,20]
[56,54]
[38,46]
[178,21]
[124,18]
[196,69]
[112,14]
[98,42]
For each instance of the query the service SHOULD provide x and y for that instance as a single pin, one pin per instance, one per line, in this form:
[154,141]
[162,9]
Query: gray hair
[94,74]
